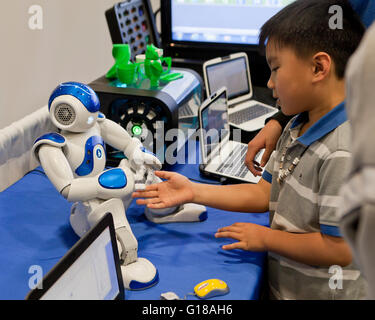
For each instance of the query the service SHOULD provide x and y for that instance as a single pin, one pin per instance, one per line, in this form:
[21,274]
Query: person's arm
[177,190]
[266,139]
[322,248]
[238,197]
[315,249]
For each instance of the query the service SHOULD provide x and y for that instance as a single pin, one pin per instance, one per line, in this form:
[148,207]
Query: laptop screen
[215,124]
[91,277]
[90,270]
[231,74]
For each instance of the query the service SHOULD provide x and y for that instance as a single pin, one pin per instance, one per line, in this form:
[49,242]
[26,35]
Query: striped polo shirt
[306,202]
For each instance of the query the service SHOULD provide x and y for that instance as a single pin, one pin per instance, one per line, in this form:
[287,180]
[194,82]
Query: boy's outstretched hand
[176,190]
[251,237]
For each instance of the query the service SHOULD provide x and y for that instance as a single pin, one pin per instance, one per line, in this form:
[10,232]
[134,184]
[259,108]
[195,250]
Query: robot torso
[85,152]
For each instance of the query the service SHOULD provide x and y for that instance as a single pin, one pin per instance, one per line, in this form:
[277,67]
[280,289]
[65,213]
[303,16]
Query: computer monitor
[221,21]
[205,29]
[232,73]
[90,270]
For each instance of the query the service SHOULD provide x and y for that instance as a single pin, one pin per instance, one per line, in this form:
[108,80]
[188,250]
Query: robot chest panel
[86,155]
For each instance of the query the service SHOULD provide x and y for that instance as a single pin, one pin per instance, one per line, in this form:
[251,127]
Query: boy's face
[290,79]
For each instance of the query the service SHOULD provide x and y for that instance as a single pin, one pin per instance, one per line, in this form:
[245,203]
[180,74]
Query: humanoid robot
[74,161]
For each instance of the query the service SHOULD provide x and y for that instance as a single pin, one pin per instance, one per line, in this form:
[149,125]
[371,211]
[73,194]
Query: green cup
[121,53]
[126,73]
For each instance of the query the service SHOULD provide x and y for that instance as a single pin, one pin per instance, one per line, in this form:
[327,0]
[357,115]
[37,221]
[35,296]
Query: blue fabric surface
[35,230]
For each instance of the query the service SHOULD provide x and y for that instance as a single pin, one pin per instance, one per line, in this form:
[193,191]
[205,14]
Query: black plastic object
[192,55]
[132,22]
[148,113]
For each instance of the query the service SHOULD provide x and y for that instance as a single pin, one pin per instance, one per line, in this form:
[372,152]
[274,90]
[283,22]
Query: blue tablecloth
[35,231]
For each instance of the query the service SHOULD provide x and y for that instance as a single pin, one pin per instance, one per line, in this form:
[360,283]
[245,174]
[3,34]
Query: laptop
[90,270]
[233,72]
[222,157]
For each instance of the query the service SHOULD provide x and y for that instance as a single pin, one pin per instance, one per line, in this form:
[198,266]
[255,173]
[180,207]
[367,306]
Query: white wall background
[74,44]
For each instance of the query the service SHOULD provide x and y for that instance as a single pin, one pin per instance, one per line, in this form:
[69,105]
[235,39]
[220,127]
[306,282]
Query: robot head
[73,107]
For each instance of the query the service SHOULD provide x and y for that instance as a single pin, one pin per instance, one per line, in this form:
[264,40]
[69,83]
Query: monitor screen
[92,276]
[231,74]
[221,21]
[215,123]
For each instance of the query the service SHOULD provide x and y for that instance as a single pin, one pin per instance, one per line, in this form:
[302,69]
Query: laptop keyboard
[248,114]
[234,164]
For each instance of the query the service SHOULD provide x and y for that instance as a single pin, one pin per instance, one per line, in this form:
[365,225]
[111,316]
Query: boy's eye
[274,69]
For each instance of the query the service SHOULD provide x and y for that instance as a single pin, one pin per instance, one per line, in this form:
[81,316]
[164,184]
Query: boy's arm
[326,247]
[238,197]
[177,190]
[315,249]
[323,248]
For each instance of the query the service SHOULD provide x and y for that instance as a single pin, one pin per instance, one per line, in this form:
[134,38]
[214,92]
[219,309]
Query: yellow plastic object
[211,288]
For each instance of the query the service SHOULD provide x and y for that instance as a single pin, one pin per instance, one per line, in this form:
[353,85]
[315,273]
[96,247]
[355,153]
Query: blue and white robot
[74,161]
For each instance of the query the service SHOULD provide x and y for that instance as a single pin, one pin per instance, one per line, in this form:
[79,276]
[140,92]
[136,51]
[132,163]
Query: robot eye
[65,114]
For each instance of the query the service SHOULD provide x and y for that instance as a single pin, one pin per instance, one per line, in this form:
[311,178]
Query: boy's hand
[251,237]
[176,190]
[265,139]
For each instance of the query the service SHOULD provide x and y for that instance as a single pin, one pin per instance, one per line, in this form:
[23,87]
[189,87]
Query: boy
[268,136]
[301,182]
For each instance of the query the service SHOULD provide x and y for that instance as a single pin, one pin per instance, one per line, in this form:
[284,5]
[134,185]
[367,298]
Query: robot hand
[144,163]
[143,177]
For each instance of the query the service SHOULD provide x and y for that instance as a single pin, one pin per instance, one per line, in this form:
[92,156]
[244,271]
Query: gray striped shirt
[307,201]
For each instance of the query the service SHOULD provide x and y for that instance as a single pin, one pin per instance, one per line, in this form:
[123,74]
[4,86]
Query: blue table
[35,231]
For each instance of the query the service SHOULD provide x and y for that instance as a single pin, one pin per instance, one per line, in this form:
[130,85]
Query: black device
[89,270]
[132,22]
[150,113]
[196,31]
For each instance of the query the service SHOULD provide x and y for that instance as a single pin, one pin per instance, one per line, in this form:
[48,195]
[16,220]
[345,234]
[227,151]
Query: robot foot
[139,275]
[189,212]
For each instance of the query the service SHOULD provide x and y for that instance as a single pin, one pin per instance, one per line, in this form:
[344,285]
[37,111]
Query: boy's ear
[321,66]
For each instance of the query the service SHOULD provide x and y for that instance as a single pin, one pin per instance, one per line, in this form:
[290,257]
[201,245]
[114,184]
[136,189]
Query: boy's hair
[304,26]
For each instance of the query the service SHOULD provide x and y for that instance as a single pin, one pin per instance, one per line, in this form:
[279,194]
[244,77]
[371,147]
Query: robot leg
[138,273]
[188,212]
[127,243]
[78,217]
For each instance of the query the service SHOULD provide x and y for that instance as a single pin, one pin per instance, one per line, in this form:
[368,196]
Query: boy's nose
[270,84]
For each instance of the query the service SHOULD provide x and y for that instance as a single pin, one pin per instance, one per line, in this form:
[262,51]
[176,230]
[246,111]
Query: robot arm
[55,166]
[109,184]
[117,137]
[47,150]
[141,160]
